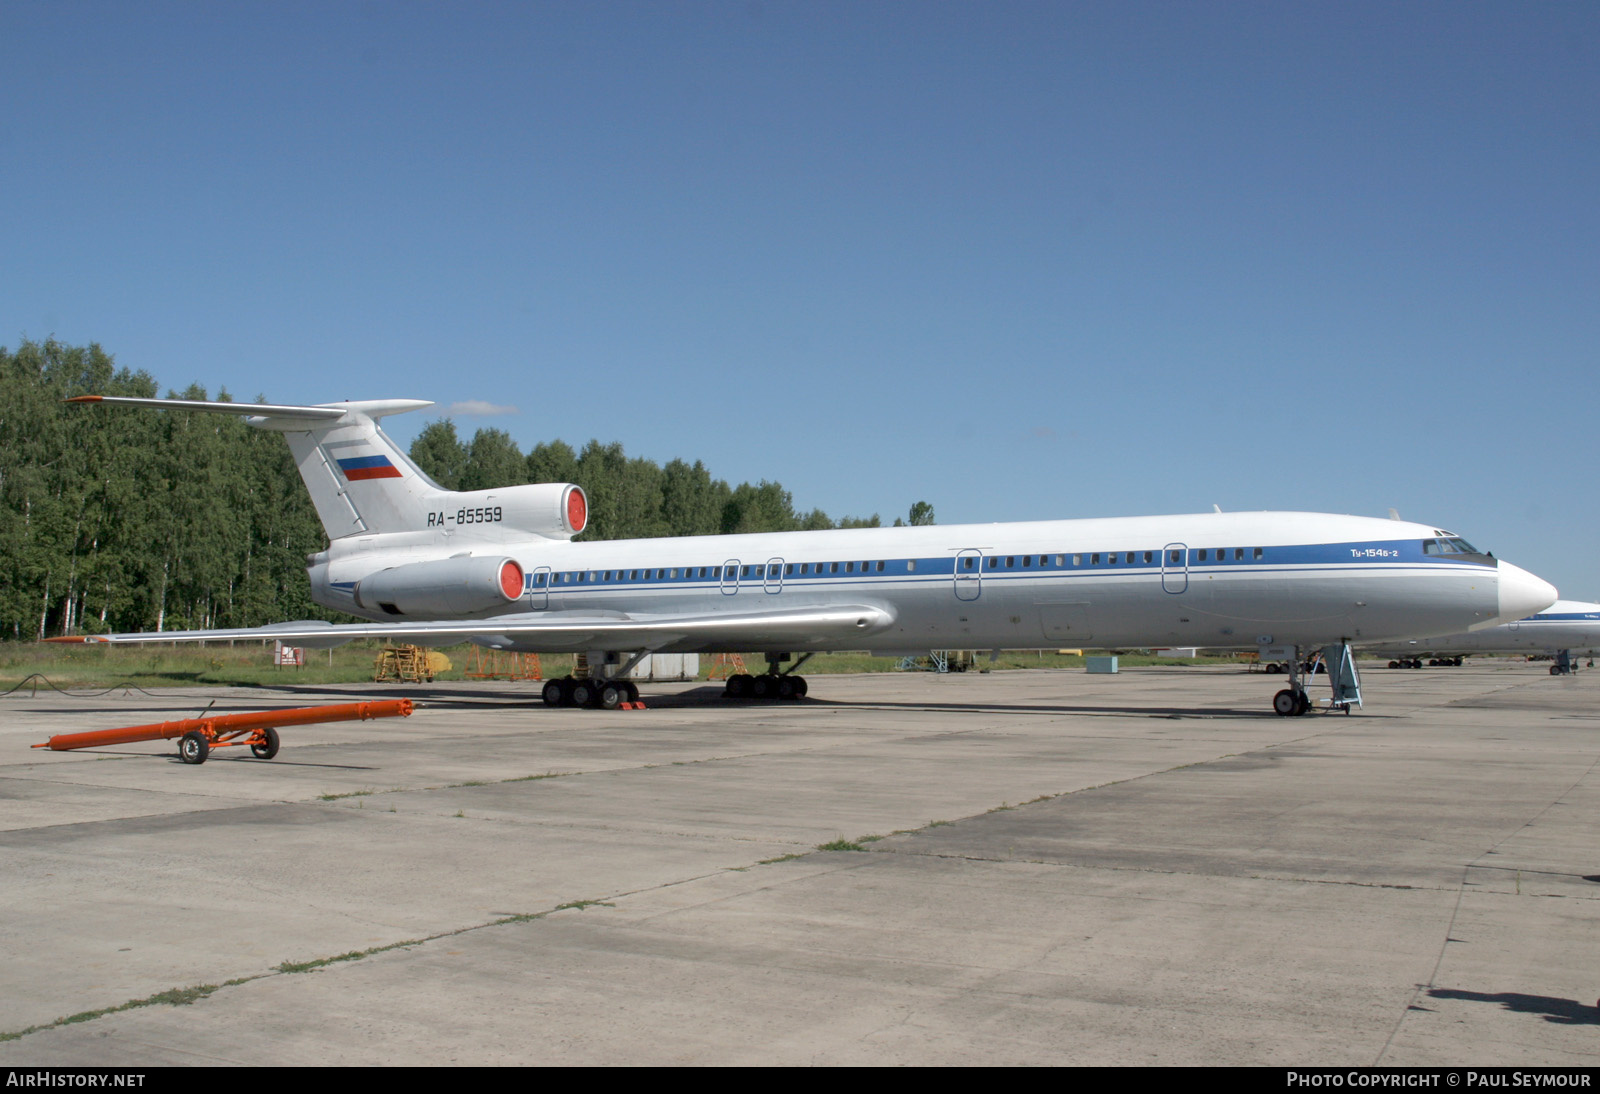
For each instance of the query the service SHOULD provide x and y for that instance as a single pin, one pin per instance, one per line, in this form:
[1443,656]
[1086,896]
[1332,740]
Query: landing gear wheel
[584,693]
[193,748]
[1394,664]
[786,689]
[611,696]
[268,747]
[1286,703]
[738,686]
[552,693]
[764,686]
[632,690]
[1302,702]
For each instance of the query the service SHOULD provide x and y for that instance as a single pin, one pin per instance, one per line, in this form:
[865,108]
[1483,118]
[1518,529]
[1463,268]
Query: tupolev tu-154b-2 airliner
[499,568]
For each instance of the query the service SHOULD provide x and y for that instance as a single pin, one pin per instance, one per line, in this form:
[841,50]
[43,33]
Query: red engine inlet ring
[510,579]
[577,510]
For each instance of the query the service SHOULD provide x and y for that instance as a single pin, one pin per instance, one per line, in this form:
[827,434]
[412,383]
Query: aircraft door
[730,577]
[772,580]
[1174,568]
[539,588]
[969,574]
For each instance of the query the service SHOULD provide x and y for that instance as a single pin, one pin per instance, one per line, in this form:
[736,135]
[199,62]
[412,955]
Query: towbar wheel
[193,748]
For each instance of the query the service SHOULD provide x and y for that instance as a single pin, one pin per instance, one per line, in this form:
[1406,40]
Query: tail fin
[359,480]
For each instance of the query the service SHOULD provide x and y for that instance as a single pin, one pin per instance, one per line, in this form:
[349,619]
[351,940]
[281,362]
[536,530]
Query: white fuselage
[1211,579]
[499,567]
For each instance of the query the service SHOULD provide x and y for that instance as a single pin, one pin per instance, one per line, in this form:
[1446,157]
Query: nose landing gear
[1337,665]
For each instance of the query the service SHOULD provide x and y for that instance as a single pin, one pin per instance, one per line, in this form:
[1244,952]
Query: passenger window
[1175,557]
[1130,558]
[1094,559]
[911,565]
[1077,560]
[1148,557]
[1258,552]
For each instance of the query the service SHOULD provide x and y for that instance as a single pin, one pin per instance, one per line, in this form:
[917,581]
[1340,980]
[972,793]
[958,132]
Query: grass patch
[840,844]
[172,997]
[582,904]
[353,955]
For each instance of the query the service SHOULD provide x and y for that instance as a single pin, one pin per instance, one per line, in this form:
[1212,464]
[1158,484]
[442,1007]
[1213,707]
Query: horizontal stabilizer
[372,408]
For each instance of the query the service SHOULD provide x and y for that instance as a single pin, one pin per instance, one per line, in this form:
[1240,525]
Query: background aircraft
[499,568]
[1567,626]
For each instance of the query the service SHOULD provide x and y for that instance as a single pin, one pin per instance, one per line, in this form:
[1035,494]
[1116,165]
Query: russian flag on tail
[369,467]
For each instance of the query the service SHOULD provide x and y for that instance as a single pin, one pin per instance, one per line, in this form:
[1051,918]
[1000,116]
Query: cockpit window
[1455,545]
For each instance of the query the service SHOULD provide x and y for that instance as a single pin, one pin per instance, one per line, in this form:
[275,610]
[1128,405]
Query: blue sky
[1021,260]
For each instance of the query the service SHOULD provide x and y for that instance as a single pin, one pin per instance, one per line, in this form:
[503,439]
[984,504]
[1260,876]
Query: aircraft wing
[572,632]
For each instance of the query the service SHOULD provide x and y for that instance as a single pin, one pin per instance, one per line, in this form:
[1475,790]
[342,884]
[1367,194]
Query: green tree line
[628,498]
[116,520]
[124,521]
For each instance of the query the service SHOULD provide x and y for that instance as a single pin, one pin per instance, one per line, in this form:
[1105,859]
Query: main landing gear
[775,683]
[1433,662]
[589,692]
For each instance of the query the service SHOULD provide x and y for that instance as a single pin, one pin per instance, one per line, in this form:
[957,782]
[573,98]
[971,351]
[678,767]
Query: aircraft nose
[1522,594]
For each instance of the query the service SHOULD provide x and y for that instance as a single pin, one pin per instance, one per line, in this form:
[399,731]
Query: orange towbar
[258,729]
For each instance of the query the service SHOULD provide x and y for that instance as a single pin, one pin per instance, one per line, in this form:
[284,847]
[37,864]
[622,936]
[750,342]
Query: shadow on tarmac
[1567,1012]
